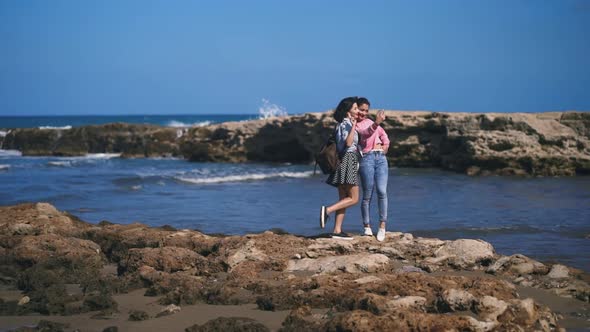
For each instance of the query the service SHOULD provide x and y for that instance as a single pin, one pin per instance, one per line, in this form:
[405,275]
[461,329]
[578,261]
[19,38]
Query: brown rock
[517,265]
[167,259]
[458,300]
[347,263]
[358,320]
[168,310]
[39,218]
[238,324]
[42,248]
[464,253]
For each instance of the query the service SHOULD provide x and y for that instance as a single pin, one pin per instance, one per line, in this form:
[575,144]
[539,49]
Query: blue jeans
[374,172]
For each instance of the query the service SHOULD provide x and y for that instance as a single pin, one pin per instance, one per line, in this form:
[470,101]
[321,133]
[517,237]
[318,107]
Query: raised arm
[351,133]
[369,130]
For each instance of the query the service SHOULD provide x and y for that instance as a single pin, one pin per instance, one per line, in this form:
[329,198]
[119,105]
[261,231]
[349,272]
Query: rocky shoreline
[535,144]
[57,264]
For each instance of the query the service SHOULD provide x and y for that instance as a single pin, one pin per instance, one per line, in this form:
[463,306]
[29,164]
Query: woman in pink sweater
[374,169]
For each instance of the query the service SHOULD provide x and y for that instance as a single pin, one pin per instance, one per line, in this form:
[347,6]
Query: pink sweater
[369,137]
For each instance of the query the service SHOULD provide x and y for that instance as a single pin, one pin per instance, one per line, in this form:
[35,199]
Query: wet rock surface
[537,144]
[229,324]
[401,284]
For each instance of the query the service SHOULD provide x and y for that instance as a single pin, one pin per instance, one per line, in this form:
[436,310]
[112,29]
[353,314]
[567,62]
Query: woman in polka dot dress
[346,177]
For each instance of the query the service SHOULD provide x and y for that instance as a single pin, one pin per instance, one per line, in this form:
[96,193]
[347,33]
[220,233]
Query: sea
[546,218]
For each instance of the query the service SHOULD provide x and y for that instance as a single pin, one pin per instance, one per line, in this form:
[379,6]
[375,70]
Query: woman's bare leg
[349,196]
[340,213]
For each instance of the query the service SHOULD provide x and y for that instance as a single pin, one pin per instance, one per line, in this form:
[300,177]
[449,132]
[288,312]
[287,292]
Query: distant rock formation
[537,144]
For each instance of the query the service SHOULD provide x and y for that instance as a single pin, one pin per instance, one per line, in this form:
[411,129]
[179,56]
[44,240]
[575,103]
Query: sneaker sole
[323,217]
[342,238]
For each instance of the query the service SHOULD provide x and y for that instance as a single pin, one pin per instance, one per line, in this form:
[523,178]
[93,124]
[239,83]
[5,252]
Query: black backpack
[327,158]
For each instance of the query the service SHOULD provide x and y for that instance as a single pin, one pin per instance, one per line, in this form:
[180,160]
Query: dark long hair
[343,107]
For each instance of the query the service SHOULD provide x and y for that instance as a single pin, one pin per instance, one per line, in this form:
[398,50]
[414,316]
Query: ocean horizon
[169,120]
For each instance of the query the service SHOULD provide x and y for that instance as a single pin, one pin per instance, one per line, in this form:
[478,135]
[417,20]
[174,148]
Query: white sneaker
[381,234]
[368,231]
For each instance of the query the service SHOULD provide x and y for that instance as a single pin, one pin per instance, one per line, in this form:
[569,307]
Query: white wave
[55,128]
[245,177]
[4,167]
[136,188]
[164,158]
[3,133]
[178,124]
[66,163]
[269,110]
[102,155]
[10,153]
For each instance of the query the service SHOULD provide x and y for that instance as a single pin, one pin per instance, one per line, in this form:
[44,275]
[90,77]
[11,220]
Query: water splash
[268,110]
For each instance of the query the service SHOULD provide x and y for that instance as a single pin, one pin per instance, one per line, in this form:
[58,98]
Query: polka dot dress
[347,172]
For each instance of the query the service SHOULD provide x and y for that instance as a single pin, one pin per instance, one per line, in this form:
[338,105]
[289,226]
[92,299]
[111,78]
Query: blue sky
[212,57]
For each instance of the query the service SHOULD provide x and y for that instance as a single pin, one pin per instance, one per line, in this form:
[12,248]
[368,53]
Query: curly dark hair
[343,107]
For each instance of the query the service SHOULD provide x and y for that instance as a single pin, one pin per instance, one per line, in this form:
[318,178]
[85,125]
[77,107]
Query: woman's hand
[380,117]
[351,133]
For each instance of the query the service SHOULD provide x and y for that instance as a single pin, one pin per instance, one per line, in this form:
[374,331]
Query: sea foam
[55,128]
[66,163]
[102,155]
[245,177]
[178,124]
[10,153]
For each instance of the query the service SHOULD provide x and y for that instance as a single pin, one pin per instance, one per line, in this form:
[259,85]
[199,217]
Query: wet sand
[575,314]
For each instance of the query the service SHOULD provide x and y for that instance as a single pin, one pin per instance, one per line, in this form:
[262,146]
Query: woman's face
[363,111]
[354,111]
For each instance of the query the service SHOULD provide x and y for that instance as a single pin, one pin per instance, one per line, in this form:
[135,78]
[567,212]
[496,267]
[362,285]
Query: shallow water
[545,218]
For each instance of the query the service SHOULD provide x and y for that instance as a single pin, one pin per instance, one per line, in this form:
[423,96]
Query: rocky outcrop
[403,283]
[537,144]
[133,140]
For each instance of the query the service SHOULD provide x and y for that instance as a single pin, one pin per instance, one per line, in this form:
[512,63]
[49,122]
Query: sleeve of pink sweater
[368,135]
